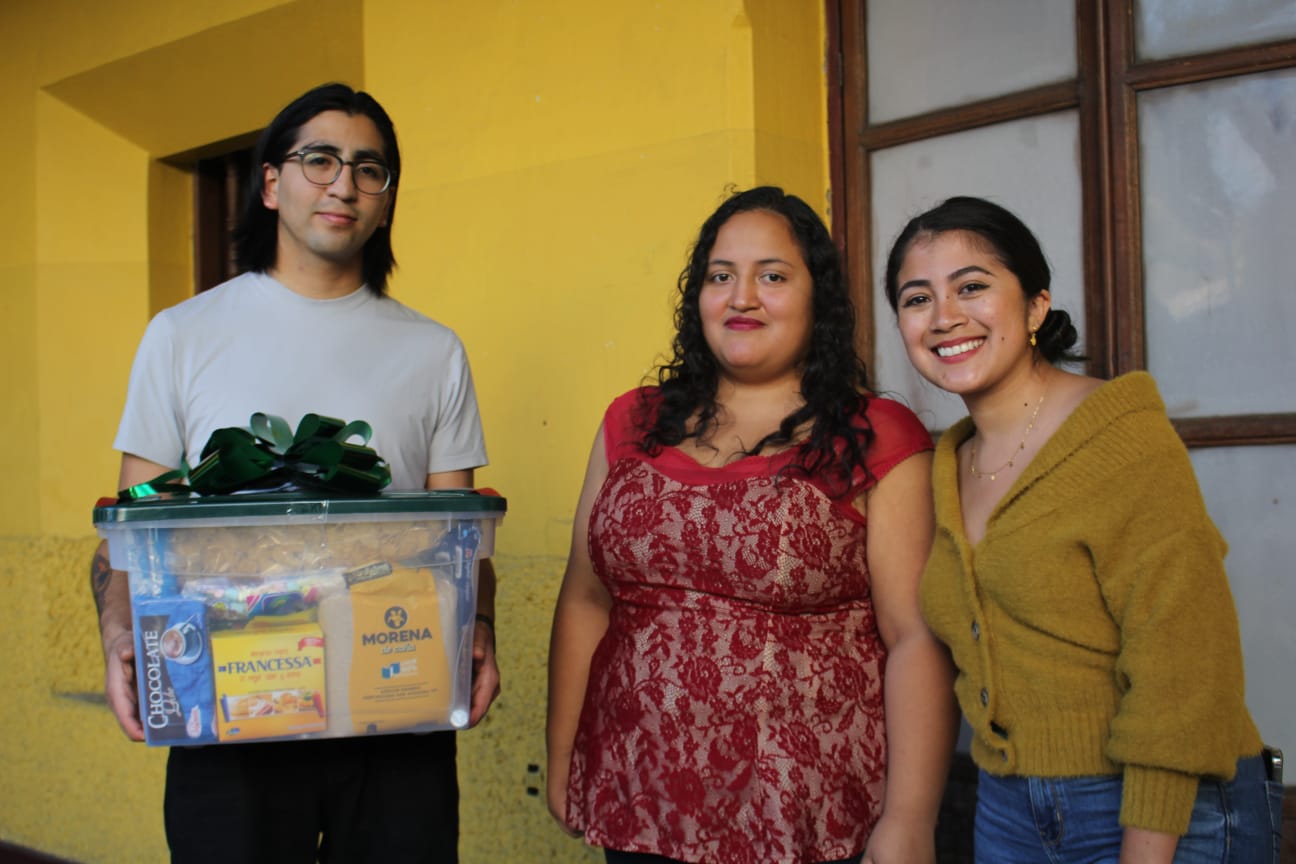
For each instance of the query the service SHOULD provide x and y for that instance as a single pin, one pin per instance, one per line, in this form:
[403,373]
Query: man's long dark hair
[834,381]
[256,238]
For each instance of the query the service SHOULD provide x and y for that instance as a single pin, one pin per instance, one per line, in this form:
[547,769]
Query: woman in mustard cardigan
[1075,576]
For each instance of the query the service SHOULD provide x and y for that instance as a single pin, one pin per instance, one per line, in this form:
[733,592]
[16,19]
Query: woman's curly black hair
[834,380]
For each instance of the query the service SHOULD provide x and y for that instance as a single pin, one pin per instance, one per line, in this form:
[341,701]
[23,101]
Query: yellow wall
[558,158]
[19,509]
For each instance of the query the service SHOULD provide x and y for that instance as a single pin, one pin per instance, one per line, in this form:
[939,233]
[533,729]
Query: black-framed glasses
[323,168]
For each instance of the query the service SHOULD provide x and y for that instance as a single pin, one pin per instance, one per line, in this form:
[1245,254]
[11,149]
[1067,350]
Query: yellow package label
[269,682]
[400,676]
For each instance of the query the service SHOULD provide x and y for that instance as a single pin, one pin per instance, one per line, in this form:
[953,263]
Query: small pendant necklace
[990,475]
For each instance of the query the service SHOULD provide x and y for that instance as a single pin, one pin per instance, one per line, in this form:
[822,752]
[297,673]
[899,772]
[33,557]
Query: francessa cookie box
[281,616]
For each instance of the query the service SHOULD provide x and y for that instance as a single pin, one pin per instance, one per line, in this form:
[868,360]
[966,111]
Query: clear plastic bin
[284,616]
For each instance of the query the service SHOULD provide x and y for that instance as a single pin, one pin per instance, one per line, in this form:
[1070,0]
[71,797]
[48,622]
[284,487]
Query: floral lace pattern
[734,712]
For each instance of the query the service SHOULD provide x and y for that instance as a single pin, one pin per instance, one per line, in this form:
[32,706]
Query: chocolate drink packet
[174,669]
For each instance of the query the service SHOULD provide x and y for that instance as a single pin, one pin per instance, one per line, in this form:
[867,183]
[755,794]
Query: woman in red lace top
[739,670]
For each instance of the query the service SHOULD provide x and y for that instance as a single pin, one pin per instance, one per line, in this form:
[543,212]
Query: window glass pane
[1248,493]
[1167,28]
[1028,166]
[1219,206]
[928,54]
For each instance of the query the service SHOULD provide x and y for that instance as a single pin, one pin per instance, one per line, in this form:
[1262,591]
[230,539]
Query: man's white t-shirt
[252,345]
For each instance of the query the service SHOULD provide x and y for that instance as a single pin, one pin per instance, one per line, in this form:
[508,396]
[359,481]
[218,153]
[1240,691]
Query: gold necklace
[990,475]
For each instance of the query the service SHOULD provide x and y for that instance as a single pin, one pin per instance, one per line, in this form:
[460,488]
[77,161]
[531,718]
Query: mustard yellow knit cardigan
[1093,626]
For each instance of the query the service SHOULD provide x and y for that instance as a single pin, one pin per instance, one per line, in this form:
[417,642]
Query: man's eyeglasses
[323,168]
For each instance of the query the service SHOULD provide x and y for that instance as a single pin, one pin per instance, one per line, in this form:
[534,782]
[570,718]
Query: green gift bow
[317,455]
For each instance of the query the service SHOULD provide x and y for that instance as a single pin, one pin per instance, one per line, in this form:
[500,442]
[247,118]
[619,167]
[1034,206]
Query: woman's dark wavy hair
[834,381]
[256,238]
[1011,242]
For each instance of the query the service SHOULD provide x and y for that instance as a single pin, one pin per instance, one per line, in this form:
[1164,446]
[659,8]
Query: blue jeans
[1060,820]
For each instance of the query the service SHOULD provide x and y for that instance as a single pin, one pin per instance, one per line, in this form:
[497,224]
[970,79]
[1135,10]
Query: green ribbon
[317,455]
[159,485]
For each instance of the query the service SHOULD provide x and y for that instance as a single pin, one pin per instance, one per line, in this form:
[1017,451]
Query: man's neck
[322,281]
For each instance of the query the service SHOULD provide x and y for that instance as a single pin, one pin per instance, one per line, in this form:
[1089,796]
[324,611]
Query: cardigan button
[976,631]
[985,696]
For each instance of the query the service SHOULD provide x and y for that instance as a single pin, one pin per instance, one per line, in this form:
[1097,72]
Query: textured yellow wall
[558,157]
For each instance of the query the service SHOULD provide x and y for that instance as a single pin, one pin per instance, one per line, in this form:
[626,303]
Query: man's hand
[119,684]
[112,600]
[485,673]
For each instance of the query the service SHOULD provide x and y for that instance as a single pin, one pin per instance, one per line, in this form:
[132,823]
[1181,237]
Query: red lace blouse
[734,709]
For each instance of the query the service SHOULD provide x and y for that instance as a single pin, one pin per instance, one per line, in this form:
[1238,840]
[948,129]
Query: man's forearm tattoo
[100,576]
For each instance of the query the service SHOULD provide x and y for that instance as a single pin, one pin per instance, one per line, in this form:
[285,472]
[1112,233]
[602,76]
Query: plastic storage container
[291,616]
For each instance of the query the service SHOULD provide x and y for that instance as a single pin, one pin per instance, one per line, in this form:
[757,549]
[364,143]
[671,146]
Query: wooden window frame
[1104,94]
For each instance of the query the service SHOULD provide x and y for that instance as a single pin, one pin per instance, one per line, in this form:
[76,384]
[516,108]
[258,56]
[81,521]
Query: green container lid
[271,505]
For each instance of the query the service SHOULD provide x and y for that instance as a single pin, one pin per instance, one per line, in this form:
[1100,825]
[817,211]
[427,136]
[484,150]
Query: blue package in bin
[174,666]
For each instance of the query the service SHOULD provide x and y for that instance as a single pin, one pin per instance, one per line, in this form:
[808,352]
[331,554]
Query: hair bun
[1057,336]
